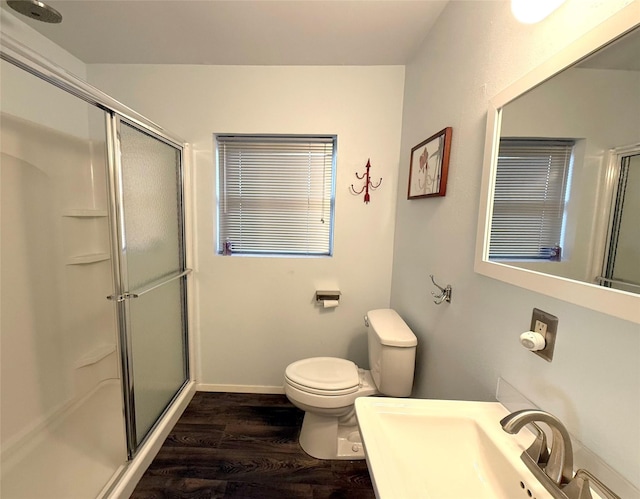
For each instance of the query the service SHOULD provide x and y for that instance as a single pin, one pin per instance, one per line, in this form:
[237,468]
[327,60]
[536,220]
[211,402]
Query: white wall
[476,50]
[256,315]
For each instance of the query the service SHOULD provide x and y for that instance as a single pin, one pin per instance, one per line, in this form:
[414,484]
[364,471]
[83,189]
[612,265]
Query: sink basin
[436,449]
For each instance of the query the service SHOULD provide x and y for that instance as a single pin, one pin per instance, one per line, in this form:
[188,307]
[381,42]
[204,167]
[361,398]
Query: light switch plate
[547,325]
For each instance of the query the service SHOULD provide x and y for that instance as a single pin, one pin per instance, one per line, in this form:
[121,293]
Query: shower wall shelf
[95,356]
[88,259]
[82,213]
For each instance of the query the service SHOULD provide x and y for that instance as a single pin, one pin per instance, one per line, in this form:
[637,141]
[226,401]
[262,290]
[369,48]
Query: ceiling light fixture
[533,11]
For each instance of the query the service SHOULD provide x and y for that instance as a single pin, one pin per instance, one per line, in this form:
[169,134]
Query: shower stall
[93,303]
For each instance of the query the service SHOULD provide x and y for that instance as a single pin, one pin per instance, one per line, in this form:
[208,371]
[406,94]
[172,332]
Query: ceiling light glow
[533,11]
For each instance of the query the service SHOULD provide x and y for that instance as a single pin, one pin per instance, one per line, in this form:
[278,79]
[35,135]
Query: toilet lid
[325,373]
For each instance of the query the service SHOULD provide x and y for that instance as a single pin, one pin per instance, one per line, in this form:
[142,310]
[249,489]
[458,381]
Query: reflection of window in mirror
[596,103]
[532,182]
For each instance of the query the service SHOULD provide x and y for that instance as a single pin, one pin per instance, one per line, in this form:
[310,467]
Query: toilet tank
[392,352]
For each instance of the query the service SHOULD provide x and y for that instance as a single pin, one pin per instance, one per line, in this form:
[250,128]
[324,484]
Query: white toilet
[326,387]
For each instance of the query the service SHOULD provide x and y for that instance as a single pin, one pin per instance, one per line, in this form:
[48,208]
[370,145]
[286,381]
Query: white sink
[438,449]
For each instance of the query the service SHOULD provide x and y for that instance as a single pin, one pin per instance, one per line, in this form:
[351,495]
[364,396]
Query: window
[275,194]
[529,198]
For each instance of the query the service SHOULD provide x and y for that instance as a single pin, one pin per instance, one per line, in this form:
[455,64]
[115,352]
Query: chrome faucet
[559,465]
[554,469]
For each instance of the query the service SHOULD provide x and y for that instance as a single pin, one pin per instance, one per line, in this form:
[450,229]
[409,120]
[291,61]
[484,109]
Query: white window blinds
[275,194]
[529,198]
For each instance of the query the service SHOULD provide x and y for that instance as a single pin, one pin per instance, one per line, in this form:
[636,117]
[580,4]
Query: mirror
[561,183]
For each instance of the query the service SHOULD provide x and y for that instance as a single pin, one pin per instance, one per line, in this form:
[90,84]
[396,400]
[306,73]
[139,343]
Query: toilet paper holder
[322,296]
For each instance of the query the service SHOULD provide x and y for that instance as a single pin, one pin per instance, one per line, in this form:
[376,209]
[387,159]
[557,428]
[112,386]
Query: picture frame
[429,166]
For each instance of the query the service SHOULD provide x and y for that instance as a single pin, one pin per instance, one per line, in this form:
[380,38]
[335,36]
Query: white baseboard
[211,387]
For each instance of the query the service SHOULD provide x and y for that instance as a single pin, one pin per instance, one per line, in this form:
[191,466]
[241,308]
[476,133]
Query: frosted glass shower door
[152,275]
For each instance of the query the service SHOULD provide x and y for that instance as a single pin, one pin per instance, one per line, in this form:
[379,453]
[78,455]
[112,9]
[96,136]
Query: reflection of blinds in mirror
[529,198]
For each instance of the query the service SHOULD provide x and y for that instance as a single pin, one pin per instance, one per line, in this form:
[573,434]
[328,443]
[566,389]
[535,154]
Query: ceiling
[241,32]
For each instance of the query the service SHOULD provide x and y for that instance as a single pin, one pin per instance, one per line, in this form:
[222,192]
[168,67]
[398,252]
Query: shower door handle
[123,297]
[150,287]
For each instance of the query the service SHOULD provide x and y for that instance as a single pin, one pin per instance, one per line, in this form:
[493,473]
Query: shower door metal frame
[122,293]
[616,180]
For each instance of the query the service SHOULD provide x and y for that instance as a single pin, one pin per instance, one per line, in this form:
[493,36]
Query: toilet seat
[315,400]
[324,376]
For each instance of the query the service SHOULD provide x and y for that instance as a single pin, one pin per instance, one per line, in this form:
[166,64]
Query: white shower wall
[54,312]
[58,330]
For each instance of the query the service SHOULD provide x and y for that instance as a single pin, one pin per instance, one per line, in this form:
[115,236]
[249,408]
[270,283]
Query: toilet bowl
[326,387]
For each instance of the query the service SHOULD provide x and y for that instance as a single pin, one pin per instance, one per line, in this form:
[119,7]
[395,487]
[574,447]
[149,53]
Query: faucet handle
[580,486]
[538,450]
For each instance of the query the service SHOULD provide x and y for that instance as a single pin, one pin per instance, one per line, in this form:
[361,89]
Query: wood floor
[229,445]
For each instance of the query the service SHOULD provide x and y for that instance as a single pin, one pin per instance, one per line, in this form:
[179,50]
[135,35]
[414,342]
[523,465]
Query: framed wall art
[429,166]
